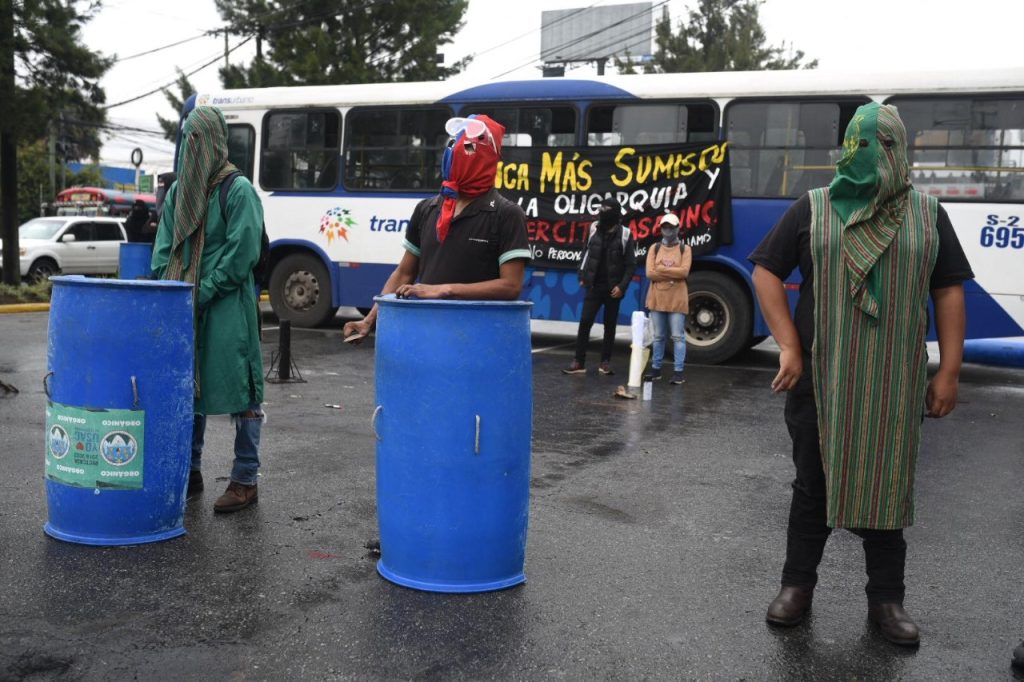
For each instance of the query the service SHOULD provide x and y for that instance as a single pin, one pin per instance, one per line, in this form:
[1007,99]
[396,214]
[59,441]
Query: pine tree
[46,74]
[177,101]
[719,35]
[323,42]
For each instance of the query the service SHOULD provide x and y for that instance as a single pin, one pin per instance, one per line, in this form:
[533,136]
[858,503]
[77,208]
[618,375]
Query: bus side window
[242,148]
[395,148]
[551,126]
[965,148]
[300,150]
[651,123]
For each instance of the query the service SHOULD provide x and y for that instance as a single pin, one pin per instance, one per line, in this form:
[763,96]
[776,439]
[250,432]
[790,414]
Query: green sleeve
[244,238]
[164,235]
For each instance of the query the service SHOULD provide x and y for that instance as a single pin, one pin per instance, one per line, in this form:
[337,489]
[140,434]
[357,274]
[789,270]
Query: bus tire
[720,320]
[42,268]
[300,291]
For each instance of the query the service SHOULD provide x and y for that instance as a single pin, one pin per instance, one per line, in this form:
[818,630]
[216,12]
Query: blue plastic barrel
[120,353]
[133,260]
[453,422]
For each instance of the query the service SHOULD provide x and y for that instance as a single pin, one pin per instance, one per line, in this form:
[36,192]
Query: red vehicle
[96,201]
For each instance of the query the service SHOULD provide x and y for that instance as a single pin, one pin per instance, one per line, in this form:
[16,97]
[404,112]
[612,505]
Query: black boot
[895,624]
[791,606]
[195,483]
[1018,656]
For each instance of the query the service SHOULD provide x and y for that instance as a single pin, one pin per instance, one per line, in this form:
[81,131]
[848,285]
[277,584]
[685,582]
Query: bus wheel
[41,269]
[720,319]
[300,291]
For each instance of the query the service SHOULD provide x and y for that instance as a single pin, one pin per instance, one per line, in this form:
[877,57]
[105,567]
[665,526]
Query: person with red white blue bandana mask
[468,241]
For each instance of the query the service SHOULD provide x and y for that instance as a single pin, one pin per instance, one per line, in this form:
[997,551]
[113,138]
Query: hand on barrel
[423,291]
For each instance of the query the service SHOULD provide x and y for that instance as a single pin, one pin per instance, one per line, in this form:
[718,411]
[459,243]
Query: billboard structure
[595,34]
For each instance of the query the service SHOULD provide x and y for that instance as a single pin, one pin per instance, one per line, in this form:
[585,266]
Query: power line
[190,73]
[163,47]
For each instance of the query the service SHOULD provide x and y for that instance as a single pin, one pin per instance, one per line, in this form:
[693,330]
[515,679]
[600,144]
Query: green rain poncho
[197,243]
[874,243]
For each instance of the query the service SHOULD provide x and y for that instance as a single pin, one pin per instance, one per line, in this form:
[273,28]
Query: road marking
[561,345]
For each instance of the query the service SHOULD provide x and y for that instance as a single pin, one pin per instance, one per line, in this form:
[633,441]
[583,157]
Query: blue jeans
[247,444]
[662,321]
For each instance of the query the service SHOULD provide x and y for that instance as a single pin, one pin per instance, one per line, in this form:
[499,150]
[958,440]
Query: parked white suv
[71,245]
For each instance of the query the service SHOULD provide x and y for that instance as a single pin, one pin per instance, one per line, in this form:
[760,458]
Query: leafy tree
[719,35]
[46,74]
[322,42]
[34,178]
[176,100]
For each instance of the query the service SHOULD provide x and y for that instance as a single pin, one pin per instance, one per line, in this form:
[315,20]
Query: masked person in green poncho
[216,250]
[870,250]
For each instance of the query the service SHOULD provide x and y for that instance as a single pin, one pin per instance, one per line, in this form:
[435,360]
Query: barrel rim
[390,299]
[82,280]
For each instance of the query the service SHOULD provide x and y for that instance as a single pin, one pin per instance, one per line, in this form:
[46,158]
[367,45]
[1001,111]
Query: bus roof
[808,82]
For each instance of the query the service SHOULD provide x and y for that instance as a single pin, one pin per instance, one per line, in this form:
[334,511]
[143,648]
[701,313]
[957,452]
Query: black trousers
[596,297]
[885,551]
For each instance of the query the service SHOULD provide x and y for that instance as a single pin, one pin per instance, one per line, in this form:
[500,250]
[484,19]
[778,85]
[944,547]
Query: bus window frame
[972,97]
[343,166]
[858,99]
[585,114]
[529,104]
[264,138]
[254,156]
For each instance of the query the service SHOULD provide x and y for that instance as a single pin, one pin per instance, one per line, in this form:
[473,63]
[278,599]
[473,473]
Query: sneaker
[575,368]
[653,374]
[238,496]
[195,483]
[1018,656]
[605,368]
[677,378]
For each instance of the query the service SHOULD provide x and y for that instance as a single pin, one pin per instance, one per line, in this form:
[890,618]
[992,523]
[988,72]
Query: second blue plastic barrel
[453,421]
[102,333]
[133,260]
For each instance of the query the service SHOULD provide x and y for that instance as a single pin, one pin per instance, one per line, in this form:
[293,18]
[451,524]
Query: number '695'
[1002,237]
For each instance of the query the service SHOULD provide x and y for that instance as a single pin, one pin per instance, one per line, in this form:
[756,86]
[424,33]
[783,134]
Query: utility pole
[8,149]
[52,153]
[226,48]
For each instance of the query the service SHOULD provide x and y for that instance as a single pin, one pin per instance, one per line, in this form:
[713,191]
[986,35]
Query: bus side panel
[556,295]
[355,284]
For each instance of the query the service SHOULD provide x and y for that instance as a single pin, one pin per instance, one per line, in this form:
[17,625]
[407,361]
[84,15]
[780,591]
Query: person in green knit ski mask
[871,250]
[216,250]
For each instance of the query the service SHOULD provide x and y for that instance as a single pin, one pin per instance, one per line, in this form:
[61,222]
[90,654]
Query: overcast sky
[871,35]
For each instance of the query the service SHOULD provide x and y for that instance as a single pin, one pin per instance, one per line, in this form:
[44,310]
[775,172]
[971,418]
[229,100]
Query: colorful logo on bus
[60,444]
[336,223]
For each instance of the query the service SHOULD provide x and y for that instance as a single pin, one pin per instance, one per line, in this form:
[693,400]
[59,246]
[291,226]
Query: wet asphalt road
[656,539]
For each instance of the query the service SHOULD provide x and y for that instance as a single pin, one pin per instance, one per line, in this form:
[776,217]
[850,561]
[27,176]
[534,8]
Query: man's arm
[506,288]
[406,272]
[950,326]
[771,293]
[629,267]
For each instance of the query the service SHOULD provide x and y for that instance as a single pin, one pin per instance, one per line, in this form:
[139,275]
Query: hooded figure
[197,242]
[874,244]
[469,165]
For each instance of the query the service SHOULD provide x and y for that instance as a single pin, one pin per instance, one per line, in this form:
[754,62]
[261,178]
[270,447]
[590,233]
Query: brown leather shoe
[237,496]
[895,624]
[791,606]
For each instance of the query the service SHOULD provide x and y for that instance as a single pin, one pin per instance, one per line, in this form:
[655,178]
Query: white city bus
[340,168]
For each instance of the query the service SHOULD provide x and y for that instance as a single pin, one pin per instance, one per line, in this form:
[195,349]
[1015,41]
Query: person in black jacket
[609,260]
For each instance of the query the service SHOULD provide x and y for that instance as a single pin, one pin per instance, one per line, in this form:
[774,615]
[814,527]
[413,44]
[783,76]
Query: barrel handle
[476,447]
[46,386]
[135,394]
[373,421]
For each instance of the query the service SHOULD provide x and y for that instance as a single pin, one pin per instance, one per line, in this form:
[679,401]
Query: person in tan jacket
[668,266]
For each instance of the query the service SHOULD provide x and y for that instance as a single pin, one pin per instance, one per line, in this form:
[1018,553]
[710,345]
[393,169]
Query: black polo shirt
[488,233]
[788,246]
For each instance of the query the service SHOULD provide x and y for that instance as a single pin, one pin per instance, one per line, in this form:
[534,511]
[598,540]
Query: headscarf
[468,174]
[202,166]
[610,213]
[669,223]
[869,192]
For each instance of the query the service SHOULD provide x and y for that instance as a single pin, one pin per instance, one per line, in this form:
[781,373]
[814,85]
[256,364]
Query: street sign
[146,184]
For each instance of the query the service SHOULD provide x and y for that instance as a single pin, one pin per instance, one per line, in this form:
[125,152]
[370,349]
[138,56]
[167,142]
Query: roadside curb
[24,308]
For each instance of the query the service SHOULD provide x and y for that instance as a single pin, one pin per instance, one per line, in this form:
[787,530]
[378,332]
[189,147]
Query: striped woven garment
[872,270]
[201,168]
